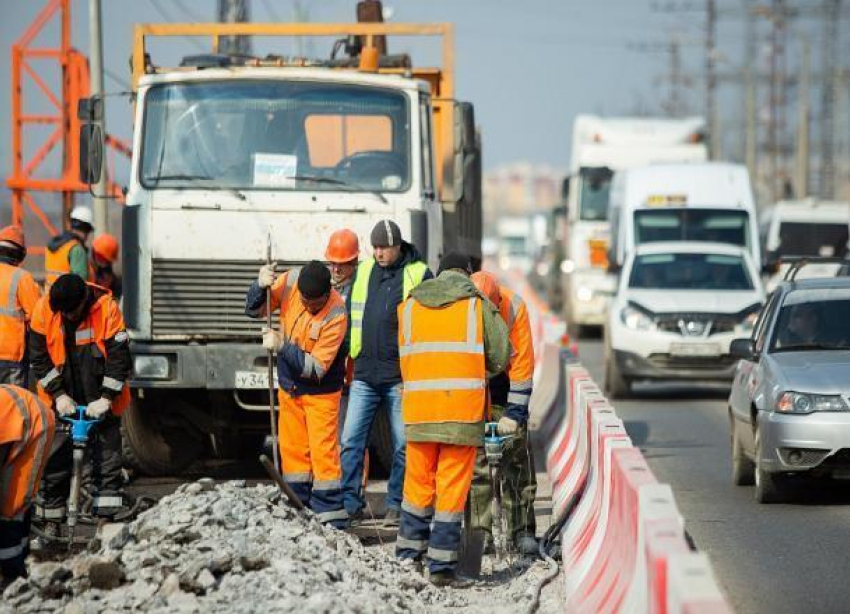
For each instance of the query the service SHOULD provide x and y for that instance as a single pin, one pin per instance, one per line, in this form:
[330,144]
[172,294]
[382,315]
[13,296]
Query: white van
[803,228]
[708,201]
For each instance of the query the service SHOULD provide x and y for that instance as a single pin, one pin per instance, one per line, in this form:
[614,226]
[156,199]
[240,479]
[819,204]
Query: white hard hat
[81,213]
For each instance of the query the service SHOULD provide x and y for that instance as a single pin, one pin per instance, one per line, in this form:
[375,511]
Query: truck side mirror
[91,153]
[565,189]
[464,150]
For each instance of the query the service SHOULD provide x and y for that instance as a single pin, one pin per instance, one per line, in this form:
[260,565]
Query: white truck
[601,146]
[228,151]
[515,243]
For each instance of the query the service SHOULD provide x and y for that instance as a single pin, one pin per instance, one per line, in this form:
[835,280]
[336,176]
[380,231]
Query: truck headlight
[584,294]
[150,366]
[635,318]
[802,403]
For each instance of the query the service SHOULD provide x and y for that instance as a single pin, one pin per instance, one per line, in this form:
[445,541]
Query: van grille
[197,298]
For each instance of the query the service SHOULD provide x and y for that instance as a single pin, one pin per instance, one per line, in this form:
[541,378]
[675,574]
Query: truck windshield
[594,187]
[716,225]
[813,239]
[690,272]
[276,135]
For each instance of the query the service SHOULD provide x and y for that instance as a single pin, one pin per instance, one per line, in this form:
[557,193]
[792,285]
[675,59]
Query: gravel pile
[225,547]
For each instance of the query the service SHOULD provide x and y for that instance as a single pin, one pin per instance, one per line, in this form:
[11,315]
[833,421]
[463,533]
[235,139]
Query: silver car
[790,402]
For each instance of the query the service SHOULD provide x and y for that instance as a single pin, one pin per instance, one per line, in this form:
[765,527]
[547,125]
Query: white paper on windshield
[272,170]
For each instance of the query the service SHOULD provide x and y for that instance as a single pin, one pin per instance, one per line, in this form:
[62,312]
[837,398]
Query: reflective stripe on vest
[412,277]
[509,307]
[8,308]
[442,362]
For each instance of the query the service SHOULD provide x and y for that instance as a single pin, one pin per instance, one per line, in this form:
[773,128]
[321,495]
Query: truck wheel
[770,487]
[154,448]
[381,444]
[616,385]
[743,469]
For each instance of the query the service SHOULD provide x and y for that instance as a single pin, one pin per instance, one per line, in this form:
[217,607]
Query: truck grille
[196,298]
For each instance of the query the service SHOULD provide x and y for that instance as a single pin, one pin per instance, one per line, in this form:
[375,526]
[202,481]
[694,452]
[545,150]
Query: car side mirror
[743,348]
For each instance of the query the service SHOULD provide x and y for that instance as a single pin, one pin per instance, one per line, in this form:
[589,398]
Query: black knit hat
[67,293]
[386,233]
[314,281]
[454,260]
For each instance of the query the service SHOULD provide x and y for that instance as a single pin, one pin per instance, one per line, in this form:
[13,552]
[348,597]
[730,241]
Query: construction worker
[19,293]
[104,253]
[342,253]
[450,340]
[81,356]
[66,252]
[311,367]
[510,392]
[26,434]
[380,285]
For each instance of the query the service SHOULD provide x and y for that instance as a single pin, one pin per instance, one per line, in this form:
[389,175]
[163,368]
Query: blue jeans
[364,401]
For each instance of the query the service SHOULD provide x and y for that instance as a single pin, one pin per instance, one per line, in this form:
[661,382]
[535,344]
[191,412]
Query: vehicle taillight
[598,253]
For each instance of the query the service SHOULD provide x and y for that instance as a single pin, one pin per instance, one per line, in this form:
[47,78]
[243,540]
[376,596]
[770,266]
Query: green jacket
[446,289]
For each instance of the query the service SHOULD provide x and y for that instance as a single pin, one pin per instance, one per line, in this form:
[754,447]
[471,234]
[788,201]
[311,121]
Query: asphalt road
[768,558]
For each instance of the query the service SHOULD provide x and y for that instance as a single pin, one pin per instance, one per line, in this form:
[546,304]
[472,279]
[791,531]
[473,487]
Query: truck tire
[151,447]
[381,444]
[616,385]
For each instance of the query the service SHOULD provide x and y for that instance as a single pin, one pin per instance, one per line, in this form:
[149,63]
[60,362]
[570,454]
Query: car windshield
[255,134]
[715,225]
[594,188]
[690,272]
[813,319]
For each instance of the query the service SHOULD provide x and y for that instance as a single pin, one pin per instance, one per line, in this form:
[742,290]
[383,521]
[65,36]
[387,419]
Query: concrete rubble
[226,547]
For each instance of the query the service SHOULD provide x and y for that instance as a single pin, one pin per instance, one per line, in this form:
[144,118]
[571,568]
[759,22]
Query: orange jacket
[442,362]
[103,327]
[18,295]
[27,425]
[521,366]
[58,262]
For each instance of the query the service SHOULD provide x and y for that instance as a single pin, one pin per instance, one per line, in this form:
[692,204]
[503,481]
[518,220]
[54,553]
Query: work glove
[266,276]
[65,405]
[507,426]
[271,340]
[96,409]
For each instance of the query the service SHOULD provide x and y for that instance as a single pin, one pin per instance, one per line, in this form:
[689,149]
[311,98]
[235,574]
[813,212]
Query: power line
[168,17]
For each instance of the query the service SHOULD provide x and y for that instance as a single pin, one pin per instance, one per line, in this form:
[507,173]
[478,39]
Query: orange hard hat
[488,286]
[343,247]
[105,247]
[13,234]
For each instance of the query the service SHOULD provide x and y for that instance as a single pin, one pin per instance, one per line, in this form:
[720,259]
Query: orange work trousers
[309,452]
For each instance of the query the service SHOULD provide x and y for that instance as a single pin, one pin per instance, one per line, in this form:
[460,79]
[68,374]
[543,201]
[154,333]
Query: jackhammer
[494,450]
[80,428]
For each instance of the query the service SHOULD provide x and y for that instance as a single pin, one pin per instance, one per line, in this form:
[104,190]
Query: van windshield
[690,272]
[594,188]
[813,239]
[255,134]
[716,225]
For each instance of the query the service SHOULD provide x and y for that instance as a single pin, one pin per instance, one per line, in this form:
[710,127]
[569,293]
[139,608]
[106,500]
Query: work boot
[355,519]
[527,545]
[392,518]
[449,578]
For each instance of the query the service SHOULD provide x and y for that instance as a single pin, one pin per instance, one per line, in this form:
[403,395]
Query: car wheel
[770,487]
[743,469]
[616,385]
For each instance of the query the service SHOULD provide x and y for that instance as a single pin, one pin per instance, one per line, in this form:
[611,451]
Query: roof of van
[690,247]
[809,210]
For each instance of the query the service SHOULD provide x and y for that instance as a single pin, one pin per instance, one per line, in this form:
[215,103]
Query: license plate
[694,349]
[254,380]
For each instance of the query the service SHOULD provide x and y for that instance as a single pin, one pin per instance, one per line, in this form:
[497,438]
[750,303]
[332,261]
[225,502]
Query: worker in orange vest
[311,355]
[510,392]
[66,252]
[18,295]
[450,340]
[26,435]
[104,254]
[81,356]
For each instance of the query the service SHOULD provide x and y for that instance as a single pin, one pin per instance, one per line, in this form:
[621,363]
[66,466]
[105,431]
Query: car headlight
[635,318]
[802,403]
[147,366]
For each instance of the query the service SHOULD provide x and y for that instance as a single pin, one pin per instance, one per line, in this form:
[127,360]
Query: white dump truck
[229,150]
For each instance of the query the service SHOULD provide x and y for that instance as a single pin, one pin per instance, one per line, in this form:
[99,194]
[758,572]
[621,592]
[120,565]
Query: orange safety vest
[18,295]
[103,322]
[58,263]
[442,362]
[28,425]
[515,314]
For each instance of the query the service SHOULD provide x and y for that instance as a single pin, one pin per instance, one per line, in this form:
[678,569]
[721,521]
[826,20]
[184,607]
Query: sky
[529,67]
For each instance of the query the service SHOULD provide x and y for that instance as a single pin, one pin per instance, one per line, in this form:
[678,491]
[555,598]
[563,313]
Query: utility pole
[101,219]
[750,95]
[801,175]
[711,79]
[234,11]
[829,91]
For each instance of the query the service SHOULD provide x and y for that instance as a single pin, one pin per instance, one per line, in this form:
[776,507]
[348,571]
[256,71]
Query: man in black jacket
[380,285]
